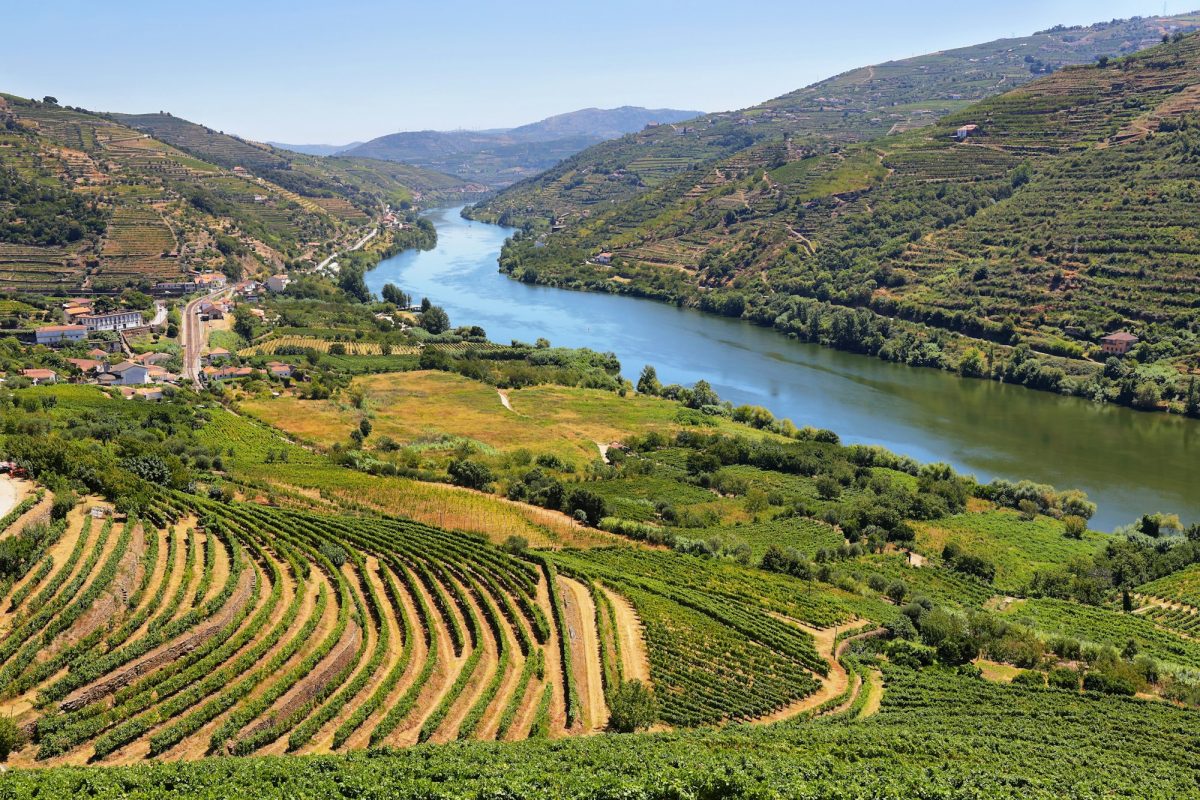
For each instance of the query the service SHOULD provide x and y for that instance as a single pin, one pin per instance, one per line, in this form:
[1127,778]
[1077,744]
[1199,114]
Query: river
[1128,462]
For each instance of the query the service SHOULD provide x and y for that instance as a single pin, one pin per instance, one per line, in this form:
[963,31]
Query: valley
[838,446]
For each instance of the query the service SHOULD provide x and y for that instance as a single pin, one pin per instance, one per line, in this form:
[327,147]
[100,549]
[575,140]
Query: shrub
[632,707]
[1030,677]
[1108,684]
[11,737]
[1064,678]
[471,474]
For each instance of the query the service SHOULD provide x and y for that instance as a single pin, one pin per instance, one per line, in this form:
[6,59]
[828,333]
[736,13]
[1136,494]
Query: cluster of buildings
[147,369]
[82,318]
[215,374]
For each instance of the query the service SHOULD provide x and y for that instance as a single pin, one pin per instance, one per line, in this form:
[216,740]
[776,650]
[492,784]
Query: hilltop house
[967,131]
[1119,343]
[604,259]
[59,334]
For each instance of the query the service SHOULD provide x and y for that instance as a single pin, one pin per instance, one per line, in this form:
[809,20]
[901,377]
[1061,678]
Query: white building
[130,374]
[58,334]
[113,321]
[277,283]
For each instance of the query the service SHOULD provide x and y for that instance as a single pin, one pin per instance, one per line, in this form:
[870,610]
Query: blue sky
[303,71]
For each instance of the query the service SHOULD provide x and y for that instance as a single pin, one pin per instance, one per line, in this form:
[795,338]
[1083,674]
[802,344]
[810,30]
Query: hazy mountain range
[501,156]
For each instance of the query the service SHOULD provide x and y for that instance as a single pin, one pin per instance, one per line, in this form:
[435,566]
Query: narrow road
[358,246]
[191,337]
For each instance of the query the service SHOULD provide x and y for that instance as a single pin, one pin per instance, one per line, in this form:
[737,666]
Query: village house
[152,359]
[87,366]
[1119,343]
[604,259]
[211,374]
[60,334]
[210,280]
[277,283]
[208,311]
[144,392]
[128,373]
[113,321]
[248,289]
[279,369]
[40,377]
[215,356]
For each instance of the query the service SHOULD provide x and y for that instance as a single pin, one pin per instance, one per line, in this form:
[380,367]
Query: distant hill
[315,149]
[108,201]
[501,157]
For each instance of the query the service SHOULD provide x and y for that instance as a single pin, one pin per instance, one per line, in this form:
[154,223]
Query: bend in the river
[1128,462]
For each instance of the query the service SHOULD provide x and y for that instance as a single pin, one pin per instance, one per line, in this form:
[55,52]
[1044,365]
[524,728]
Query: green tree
[11,737]
[471,474]
[243,322]
[632,707]
[1074,526]
[435,320]
[648,382]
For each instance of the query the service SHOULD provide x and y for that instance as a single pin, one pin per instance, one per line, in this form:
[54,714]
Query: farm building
[1119,343]
[277,283]
[216,355]
[603,258]
[58,334]
[967,131]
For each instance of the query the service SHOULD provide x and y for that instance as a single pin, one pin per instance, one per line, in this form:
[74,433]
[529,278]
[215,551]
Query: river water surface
[1128,462]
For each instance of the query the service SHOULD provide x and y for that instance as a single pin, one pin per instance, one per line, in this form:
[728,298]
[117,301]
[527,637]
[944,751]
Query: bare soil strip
[635,664]
[585,652]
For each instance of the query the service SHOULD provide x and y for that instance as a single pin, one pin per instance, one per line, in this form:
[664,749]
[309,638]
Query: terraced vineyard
[205,628]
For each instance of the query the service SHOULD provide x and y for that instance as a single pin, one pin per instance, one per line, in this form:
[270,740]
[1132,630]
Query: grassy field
[568,422]
[1016,546]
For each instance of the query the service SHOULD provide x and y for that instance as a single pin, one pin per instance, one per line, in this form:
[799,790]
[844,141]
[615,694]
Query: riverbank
[876,326]
[986,428]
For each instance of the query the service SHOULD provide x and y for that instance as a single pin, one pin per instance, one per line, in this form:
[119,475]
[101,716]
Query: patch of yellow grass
[997,672]
[412,406]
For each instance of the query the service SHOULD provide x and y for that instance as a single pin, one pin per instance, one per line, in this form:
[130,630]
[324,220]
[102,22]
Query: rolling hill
[858,105]
[1009,252]
[105,201]
[501,157]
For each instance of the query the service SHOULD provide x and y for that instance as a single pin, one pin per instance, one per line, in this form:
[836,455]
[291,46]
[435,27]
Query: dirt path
[322,742]
[504,401]
[12,492]
[485,668]
[831,686]
[558,709]
[635,664]
[439,683]
[874,687]
[585,652]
